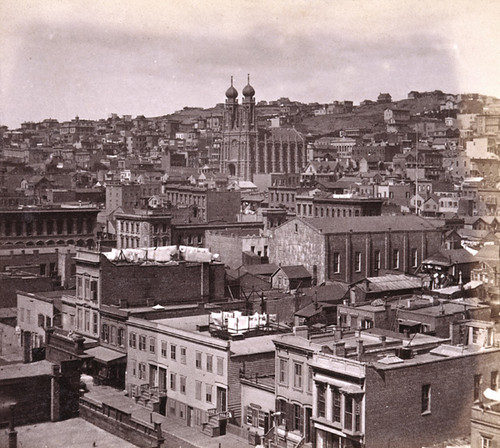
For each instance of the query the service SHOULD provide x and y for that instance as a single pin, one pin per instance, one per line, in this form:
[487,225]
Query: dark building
[343,249]
[41,226]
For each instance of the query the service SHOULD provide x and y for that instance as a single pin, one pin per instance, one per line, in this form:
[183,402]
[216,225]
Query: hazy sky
[90,58]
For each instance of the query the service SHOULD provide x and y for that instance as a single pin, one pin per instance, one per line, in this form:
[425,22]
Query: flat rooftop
[246,346]
[13,371]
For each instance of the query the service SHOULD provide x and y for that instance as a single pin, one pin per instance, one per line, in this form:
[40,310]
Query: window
[377,260]
[336,405]
[183,355]
[426,399]
[297,375]
[395,259]
[164,349]
[210,363]
[486,442]
[112,338]
[182,384]
[173,352]
[41,320]
[414,258]
[142,342]
[220,366]
[21,314]
[121,337]
[321,400]
[494,380]
[133,340]
[105,332]
[172,381]
[198,360]
[208,393]
[87,321]
[79,287]
[297,417]
[477,387]
[357,261]
[197,390]
[142,371]
[357,415]
[87,288]
[283,372]
[152,345]
[336,262]
[95,326]
[348,412]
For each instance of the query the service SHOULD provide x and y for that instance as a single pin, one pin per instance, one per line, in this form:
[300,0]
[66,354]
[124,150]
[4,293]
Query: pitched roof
[448,257]
[490,252]
[390,282]
[370,224]
[260,269]
[297,271]
[329,292]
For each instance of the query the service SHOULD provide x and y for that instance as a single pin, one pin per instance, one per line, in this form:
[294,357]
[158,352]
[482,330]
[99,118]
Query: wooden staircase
[148,396]
[212,428]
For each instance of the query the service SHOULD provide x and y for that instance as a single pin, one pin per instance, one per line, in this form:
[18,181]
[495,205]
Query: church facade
[247,150]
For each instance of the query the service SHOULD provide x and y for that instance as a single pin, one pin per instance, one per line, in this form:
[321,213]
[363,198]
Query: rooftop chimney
[360,348]
[339,349]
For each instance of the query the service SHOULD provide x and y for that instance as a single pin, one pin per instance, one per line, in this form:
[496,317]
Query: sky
[60,59]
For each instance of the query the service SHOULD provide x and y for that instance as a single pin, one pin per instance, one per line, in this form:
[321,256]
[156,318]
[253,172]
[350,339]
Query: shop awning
[106,355]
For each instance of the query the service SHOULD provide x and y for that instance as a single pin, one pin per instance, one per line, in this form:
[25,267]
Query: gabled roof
[389,282]
[297,271]
[260,269]
[432,197]
[491,252]
[370,224]
[329,292]
[323,166]
[448,257]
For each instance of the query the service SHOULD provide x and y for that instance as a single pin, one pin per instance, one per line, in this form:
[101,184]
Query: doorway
[221,399]
[153,375]
[189,417]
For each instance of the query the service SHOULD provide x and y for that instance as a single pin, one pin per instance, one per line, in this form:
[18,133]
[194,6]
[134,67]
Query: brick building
[350,249]
[48,226]
[376,389]
[209,205]
[332,205]
[42,391]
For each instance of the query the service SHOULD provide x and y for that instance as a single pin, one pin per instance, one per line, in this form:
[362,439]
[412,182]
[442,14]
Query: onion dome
[231,93]
[248,90]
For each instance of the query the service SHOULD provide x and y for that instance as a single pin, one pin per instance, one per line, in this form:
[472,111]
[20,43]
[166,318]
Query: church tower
[239,134]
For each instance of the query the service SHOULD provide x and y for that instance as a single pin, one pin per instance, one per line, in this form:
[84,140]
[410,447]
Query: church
[248,150]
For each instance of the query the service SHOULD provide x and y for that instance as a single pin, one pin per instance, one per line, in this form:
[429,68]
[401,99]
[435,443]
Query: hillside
[365,117]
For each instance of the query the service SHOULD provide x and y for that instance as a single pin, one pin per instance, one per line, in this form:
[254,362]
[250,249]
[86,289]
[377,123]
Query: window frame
[357,261]
[298,375]
[426,399]
[283,371]
[336,263]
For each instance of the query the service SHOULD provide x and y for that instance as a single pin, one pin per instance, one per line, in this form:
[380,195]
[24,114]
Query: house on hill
[384,98]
